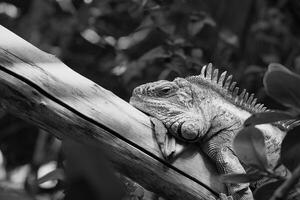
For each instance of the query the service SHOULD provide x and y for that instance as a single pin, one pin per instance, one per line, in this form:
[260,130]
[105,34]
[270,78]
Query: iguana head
[174,104]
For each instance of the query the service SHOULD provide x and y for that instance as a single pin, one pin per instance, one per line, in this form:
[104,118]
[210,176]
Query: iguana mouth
[136,101]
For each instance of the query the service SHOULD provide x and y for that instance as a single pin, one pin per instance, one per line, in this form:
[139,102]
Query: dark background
[120,44]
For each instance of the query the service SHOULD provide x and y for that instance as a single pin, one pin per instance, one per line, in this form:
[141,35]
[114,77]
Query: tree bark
[39,88]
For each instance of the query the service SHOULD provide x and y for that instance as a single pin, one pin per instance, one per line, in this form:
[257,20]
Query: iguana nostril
[135,91]
[138,91]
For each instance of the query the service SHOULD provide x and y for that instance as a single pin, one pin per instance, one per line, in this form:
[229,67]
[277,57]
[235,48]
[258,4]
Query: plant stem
[271,174]
[282,191]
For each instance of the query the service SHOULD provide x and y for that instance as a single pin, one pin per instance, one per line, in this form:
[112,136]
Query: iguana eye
[166,90]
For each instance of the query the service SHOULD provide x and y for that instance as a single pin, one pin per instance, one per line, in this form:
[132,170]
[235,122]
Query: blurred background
[120,44]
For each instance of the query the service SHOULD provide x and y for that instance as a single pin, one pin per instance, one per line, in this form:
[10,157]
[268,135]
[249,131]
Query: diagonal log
[39,88]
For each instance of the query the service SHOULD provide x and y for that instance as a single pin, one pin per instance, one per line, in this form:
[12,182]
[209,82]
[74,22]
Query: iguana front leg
[227,162]
[169,146]
[224,158]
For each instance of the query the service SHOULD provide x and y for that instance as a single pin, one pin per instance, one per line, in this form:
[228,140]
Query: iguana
[208,110]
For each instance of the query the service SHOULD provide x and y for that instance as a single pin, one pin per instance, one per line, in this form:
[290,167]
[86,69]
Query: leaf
[127,42]
[268,117]
[290,149]
[266,191]
[249,145]
[157,52]
[229,37]
[67,6]
[196,27]
[283,85]
[240,178]
[57,174]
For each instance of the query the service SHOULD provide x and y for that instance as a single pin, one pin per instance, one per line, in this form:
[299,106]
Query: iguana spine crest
[226,88]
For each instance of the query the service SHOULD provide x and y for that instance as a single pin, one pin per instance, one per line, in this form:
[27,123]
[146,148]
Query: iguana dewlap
[209,110]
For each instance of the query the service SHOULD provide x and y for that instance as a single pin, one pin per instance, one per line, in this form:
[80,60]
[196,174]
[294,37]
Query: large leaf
[240,178]
[57,174]
[157,52]
[290,149]
[249,146]
[266,191]
[268,117]
[283,85]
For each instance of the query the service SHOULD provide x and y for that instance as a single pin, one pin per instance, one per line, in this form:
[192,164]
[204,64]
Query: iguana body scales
[208,109]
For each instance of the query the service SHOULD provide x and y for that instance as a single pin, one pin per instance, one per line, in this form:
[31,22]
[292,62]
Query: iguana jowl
[207,109]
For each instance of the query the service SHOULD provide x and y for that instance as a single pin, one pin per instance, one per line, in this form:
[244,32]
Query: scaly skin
[195,110]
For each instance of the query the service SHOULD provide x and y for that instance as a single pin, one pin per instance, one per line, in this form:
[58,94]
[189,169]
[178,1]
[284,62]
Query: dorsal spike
[294,124]
[215,76]
[246,97]
[243,94]
[235,92]
[257,106]
[241,97]
[203,70]
[250,99]
[262,106]
[209,71]
[253,102]
[263,109]
[287,125]
[227,82]
[223,85]
[232,86]
[222,78]
[289,122]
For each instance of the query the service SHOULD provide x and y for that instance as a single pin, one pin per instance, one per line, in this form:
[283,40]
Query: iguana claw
[167,143]
[169,147]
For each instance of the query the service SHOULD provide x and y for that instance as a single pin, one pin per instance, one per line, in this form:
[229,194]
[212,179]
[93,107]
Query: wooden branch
[38,87]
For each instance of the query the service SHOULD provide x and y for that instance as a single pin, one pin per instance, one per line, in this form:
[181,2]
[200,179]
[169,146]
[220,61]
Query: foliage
[281,84]
[251,148]
[120,44]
